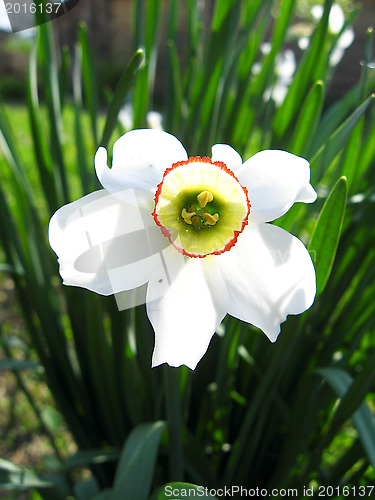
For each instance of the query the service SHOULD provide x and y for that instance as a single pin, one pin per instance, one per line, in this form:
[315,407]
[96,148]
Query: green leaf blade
[308,120]
[336,141]
[14,477]
[327,231]
[124,85]
[89,78]
[136,467]
[305,75]
[341,382]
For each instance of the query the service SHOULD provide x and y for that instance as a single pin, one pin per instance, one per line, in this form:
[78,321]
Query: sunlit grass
[18,116]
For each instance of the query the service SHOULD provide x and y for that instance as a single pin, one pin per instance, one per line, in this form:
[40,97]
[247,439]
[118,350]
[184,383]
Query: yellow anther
[210,219]
[204,197]
[187,216]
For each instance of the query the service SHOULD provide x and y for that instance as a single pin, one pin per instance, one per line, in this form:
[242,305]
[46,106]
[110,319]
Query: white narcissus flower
[285,66]
[196,230]
[154,119]
[336,23]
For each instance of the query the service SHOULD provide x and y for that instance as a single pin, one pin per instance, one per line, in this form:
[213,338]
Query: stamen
[204,197]
[210,219]
[187,216]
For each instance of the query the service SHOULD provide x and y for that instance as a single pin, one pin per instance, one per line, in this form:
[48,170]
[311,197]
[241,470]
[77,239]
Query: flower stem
[174,417]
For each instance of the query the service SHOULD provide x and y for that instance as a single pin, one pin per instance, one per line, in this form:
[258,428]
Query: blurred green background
[82,414]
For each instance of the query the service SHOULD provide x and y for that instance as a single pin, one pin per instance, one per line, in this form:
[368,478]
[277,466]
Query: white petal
[140,158]
[184,311]
[317,12]
[286,65]
[279,92]
[275,180]
[154,120]
[265,48]
[125,116]
[336,19]
[346,39]
[303,42]
[105,245]
[256,68]
[269,274]
[228,155]
[336,55]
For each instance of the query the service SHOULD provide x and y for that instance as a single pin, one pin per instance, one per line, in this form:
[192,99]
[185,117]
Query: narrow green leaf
[180,491]
[335,142]
[106,494]
[7,268]
[173,76]
[85,174]
[326,233]
[173,18]
[48,65]
[88,457]
[366,153]
[194,25]
[11,153]
[16,364]
[148,15]
[64,74]
[368,59]
[14,477]
[86,490]
[346,463]
[254,16]
[124,85]
[308,120]
[358,390]
[349,165]
[174,100]
[141,100]
[21,189]
[222,10]
[338,112]
[281,26]
[136,467]
[305,75]
[217,61]
[42,153]
[151,33]
[196,461]
[363,420]
[89,79]
[138,23]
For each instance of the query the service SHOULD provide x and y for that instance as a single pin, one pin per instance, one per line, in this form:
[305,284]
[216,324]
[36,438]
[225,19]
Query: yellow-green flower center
[199,214]
[201,207]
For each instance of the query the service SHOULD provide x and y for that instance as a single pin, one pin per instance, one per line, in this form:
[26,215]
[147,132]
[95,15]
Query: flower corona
[201,207]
